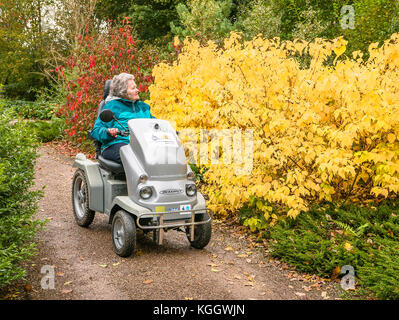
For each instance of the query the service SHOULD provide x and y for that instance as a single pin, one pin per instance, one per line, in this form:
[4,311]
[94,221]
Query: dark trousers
[112,152]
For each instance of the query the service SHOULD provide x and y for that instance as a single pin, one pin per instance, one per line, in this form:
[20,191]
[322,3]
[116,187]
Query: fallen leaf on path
[68,282]
[215,270]
[300,294]
[116,264]
[188,298]
[228,248]
[212,265]
[66,291]
[242,256]
[148,281]
[250,278]
[60,274]
[103,265]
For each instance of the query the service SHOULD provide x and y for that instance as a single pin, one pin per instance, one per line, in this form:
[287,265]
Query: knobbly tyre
[153,190]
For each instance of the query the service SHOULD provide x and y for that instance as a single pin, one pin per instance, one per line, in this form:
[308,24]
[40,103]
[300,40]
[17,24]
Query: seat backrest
[97,144]
[107,88]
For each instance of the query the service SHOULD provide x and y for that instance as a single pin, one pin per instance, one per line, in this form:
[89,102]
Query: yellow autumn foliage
[320,132]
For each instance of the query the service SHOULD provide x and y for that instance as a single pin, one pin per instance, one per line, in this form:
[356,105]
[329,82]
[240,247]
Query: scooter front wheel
[202,232]
[84,216]
[123,233]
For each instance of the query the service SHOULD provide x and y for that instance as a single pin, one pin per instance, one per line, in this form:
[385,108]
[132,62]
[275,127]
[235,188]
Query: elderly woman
[124,102]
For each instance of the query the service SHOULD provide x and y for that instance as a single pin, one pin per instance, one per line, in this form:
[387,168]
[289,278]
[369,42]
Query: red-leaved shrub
[95,59]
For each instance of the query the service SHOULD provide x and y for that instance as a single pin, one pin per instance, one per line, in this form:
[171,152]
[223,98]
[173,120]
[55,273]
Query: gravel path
[86,267]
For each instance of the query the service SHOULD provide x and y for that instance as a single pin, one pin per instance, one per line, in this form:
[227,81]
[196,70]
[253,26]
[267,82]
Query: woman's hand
[113,132]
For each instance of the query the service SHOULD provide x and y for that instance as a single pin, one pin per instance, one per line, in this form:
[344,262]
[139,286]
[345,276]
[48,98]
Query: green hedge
[18,203]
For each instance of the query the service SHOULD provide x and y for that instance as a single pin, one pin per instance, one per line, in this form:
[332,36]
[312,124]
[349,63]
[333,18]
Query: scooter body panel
[94,180]
[156,152]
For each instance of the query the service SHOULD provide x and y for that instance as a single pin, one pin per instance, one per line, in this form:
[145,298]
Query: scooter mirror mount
[106,115]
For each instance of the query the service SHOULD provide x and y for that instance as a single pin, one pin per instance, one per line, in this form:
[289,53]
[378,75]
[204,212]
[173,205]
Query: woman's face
[132,91]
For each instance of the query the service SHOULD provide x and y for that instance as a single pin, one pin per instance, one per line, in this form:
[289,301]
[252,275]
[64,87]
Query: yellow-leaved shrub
[321,131]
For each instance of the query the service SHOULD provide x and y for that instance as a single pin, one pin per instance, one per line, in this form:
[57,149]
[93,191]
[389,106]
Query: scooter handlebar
[123,133]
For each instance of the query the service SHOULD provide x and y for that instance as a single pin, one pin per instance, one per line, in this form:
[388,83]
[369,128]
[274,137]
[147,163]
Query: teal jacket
[124,110]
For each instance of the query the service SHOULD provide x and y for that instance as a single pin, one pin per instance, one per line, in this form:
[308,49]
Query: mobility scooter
[152,190]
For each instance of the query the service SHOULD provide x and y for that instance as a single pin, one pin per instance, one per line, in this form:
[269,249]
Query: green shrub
[204,20]
[32,109]
[198,172]
[258,18]
[48,130]
[329,237]
[18,203]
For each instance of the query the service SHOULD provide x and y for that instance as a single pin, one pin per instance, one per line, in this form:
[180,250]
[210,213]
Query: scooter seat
[110,165]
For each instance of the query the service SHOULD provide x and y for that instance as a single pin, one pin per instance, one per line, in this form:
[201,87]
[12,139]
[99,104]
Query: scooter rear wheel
[84,216]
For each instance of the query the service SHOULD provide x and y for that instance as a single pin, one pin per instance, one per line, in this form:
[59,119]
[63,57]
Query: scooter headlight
[146,193]
[191,190]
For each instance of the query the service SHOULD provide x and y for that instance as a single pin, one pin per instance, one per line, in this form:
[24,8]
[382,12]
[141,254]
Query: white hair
[119,85]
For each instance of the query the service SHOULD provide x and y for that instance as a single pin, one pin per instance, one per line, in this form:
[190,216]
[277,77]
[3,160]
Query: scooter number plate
[184,207]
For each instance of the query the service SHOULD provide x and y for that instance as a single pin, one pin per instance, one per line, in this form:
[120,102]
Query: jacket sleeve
[99,131]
